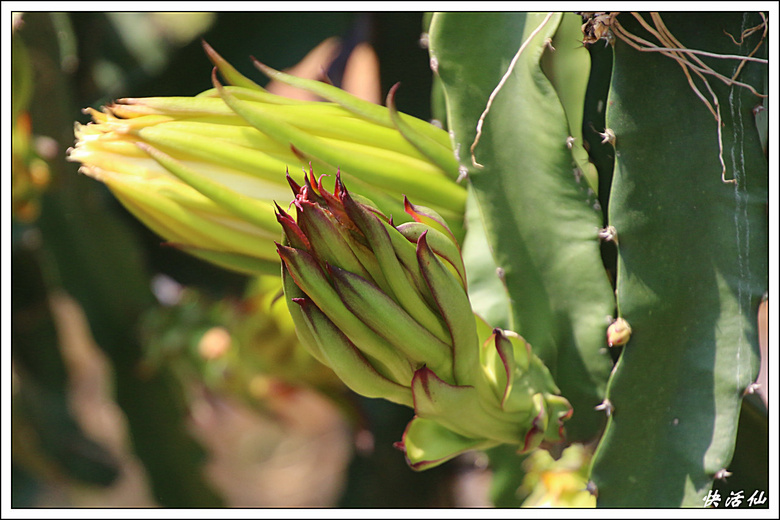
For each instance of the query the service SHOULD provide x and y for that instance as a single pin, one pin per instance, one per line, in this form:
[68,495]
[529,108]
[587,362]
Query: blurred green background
[116,401]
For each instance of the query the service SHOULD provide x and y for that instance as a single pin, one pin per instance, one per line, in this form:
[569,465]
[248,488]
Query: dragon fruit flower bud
[203,171]
[386,307]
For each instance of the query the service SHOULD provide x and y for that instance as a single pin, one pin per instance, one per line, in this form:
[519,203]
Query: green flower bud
[203,171]
[386,307]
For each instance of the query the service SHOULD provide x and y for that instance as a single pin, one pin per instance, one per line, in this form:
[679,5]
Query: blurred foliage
[243,347]
[558,483]
[222,331]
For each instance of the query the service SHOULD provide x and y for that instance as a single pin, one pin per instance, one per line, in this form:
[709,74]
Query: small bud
[618,333]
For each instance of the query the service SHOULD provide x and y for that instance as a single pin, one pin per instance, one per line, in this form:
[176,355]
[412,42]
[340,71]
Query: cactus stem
[500,85]
[668,49]
[672,48]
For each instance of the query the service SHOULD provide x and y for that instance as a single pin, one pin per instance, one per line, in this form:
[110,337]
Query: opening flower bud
[203,171]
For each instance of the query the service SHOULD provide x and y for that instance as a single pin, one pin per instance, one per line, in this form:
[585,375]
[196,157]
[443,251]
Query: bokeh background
[142,376]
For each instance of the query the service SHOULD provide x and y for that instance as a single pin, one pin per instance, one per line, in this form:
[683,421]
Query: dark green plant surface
[540,220]
[692,267]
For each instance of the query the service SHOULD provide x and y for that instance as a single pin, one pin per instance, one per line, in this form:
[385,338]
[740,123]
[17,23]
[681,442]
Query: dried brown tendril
[605,25]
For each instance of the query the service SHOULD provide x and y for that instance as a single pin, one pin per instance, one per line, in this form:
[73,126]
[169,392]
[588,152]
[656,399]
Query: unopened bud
[618,333]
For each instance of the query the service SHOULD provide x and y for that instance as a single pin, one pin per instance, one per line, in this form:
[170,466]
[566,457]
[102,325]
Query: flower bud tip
[390,100]
[206,47]
[340,190]
[296,188]
[262,67]
[299,154]
[215,81]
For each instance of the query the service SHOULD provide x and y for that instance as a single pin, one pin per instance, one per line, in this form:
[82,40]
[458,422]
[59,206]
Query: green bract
[386,307]
[203,171]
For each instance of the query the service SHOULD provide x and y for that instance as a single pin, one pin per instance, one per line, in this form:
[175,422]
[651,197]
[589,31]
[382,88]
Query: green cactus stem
[692,263]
